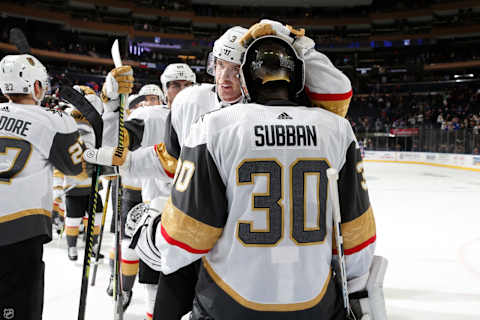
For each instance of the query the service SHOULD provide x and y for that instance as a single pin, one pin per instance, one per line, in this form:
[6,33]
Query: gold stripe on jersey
[338,107]
[265,307]
[168,162]
[71,231]
[187,230]
[25,213]
[132,188]
[78,186]
[129,269]
[57,174]
[357,231]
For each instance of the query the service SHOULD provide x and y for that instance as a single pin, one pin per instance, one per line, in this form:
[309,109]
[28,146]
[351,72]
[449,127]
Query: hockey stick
[100,238]
[95,120]
[117,288]
[332,175]
[18,39]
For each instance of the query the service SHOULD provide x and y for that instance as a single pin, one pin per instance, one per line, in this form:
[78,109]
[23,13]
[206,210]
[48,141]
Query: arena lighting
[468,75]
[406,42]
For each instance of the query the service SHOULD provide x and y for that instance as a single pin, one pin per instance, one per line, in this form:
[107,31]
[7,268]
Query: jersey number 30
[271,201]
[9,169]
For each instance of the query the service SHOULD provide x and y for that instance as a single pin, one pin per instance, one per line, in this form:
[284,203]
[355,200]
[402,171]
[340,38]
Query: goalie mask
[18,74]
[268,59]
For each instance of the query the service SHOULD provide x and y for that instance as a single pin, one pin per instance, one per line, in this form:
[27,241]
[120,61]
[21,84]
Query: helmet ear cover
[269,59]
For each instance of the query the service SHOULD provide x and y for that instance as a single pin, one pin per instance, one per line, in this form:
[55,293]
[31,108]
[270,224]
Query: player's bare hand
[119,81]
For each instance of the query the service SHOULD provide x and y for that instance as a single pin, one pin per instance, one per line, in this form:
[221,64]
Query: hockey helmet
[152,90]
[19,73]
[177,71]
[271,58]
[227,48]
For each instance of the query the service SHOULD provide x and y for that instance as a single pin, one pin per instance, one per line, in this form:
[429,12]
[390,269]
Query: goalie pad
[369,303]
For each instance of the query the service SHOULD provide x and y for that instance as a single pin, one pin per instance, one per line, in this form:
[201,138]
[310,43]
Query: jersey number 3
[10,168]
[271,201]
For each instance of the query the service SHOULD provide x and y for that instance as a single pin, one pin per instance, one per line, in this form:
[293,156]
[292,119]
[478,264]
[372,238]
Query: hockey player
[77,198]
[33,140]
[147,122]
[263,226]
[327,84]
[152,95]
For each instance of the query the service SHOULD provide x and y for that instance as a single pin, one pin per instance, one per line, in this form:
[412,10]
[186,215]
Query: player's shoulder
[196,93]
[52,119]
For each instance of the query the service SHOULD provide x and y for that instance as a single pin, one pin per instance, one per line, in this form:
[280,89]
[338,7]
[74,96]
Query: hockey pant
[22,273]
[77,208]
[176,292]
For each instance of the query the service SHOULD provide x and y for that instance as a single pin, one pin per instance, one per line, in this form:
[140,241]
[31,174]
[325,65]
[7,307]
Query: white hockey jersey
[325,86]
[33,140]
[250,196]
[154,118]
[87,137]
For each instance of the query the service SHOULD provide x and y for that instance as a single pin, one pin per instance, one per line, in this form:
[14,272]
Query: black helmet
[271,58]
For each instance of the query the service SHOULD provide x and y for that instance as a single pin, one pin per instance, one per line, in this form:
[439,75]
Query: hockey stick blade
[117,61]
[17,38]
[75,98]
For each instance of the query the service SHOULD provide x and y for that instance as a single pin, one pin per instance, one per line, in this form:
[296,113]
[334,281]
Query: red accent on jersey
[169,174]
[130,261]
[328,96]
[182,245]
[357,248]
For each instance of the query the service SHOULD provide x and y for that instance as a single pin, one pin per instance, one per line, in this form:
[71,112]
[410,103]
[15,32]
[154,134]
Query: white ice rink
[428,227]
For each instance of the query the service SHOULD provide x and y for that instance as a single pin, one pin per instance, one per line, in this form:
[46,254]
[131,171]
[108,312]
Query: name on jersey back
[13,125]
[280,135]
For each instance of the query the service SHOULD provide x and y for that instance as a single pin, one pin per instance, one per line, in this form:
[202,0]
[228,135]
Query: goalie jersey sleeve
[33,140]
[250,199]
[325,85]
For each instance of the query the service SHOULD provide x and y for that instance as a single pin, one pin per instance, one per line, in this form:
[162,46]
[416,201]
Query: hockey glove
[109,156]
[265,27]
[118,81]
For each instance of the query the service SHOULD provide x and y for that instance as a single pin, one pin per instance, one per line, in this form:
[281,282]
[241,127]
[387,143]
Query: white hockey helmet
[227,48]
[152,90]
[130,99]
[177,71]
[18,74]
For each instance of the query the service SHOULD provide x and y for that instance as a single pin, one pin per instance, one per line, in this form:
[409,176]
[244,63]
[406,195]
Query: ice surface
[428,227]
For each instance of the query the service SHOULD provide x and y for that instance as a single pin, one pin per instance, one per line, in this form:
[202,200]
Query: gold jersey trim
[265,307]
[357,231]
[25,213]
[338,107]
[132,188]
[168,162]
[187,230]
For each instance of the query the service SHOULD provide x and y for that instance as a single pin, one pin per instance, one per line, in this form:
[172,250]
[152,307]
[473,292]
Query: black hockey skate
[110,286]
[73,253]
[127,298]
